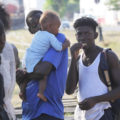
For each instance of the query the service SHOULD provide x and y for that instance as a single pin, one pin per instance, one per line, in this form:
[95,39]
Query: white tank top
[90,85]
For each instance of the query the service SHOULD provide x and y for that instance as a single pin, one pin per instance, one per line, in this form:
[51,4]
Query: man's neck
[90,54]
[91,50]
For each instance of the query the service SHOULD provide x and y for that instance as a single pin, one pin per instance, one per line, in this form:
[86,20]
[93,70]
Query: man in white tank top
[93,95]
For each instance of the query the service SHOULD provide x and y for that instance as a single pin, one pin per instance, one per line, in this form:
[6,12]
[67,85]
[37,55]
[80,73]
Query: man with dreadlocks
[93,96]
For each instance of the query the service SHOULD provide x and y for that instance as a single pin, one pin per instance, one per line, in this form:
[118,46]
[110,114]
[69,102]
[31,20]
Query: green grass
[22,37]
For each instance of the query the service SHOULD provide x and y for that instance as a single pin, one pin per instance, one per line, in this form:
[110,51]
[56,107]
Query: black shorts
[46,117]
[108,115]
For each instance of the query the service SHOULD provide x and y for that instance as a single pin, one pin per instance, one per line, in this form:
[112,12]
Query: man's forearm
[35,76]
[72,78]
[43,68]
[111,96]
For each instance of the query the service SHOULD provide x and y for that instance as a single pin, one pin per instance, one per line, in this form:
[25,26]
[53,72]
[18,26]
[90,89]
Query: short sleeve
[52,56]
[57,45]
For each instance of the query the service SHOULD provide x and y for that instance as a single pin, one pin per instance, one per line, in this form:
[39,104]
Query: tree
[71,8]
[57,5]
[114,4]
[63,7]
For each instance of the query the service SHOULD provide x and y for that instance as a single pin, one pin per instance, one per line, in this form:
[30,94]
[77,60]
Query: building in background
[33,5]
[98,10]
[14,7]
[18,9]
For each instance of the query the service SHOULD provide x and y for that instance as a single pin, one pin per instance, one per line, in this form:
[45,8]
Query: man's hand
[20,74]
[66,44]
[88,103]
[75,50]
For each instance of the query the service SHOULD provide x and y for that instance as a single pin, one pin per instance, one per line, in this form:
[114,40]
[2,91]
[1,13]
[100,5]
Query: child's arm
[66,44]
[57,45]
[35,76]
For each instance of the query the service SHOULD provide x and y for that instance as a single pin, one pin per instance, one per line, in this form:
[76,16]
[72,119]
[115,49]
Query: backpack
[105,71]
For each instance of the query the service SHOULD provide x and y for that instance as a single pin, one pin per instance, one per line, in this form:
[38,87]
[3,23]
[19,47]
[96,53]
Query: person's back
[39,46]
[32,21]
[54,65]
[44,39]
[56,80]
[41,43]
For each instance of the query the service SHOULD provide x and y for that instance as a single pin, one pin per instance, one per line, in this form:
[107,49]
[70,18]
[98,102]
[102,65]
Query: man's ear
[96,35]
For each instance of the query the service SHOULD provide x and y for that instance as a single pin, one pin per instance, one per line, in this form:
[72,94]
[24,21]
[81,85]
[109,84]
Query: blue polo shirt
[54,91]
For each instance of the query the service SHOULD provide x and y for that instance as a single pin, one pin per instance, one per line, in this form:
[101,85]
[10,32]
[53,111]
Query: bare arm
[43,68]
[40,70]
[66,44]
[114,67]
[72,78]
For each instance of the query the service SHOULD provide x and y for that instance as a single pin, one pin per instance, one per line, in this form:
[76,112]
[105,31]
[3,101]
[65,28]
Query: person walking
[93,96]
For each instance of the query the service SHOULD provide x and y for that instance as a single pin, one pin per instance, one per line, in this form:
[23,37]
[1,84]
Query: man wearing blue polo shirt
[54,65]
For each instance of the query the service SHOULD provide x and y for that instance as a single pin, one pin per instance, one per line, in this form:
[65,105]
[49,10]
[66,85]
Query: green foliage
[114,4]
[63,7]
[57,5]
[72,7]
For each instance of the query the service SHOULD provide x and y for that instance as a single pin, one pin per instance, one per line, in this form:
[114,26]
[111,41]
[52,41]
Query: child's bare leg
[42,86]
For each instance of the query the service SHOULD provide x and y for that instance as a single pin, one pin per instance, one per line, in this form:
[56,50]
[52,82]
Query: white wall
[33,5]
[100,10]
